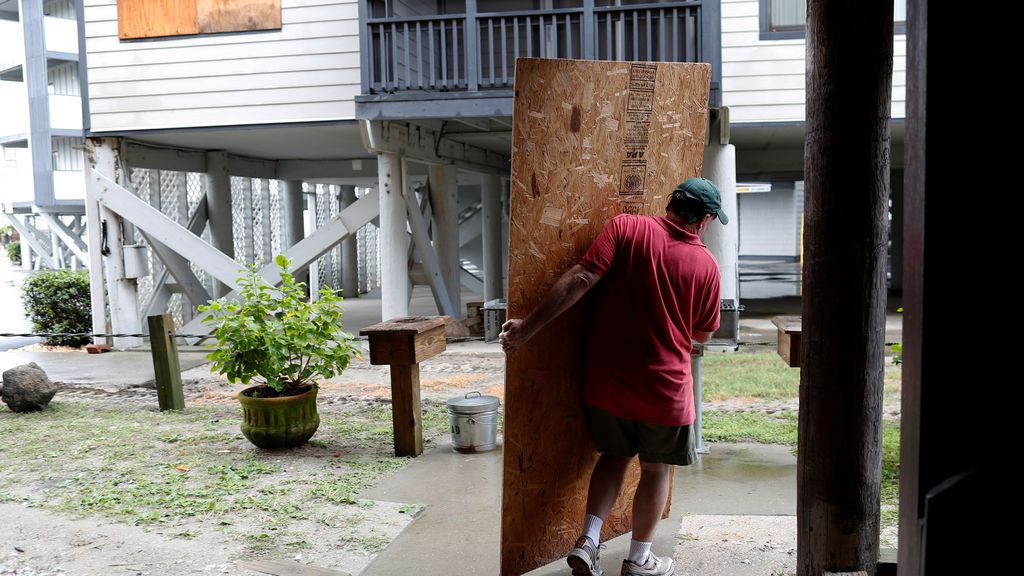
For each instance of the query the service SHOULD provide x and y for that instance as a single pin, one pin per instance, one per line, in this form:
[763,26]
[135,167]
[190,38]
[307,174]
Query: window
[785,19]
[156,18]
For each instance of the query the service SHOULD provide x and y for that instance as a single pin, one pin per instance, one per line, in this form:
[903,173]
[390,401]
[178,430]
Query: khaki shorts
[654,443]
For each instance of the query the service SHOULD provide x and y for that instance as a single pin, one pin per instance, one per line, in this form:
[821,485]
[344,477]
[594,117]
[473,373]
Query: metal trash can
[494,317]
[474,420]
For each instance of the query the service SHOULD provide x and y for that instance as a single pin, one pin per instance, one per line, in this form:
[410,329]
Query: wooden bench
[403,343]
[789,339]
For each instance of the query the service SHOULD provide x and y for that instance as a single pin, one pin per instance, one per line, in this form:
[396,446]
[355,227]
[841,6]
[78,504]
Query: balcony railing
[476,51]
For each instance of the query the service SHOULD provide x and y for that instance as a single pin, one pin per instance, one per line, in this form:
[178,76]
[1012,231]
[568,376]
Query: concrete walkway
[12,316]
[459,532]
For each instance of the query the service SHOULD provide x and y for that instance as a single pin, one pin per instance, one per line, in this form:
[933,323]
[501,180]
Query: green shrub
[14,252]
[58,301]
[276,337]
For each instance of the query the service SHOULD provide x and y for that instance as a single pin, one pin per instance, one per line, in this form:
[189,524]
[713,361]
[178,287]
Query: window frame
[766,32]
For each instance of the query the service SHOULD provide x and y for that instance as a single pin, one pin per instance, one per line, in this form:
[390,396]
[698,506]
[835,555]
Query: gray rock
[27,388]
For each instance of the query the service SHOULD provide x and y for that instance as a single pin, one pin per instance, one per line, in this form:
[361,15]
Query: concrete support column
[349,251]
[122,292]
[292,227]
[218,203]
[444,198]
[394,242]
[291,213]
[36,81]
[490,192]
[314,266]
[506,201]
[723,241]
[97,298]
[266,248]
[248,255]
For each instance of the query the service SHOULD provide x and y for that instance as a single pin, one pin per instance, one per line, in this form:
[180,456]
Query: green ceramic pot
[284,422]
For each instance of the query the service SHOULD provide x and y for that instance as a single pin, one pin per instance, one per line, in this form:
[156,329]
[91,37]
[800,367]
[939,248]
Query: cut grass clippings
[187,470]
[750,427]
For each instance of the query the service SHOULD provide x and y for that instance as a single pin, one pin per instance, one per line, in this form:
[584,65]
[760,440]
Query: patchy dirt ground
[101,483]
[441,378]
[50,348]
[737,546]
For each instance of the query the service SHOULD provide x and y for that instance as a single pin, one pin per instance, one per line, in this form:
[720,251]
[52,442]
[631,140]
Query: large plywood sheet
[238,15]
[590,140]
[154,18]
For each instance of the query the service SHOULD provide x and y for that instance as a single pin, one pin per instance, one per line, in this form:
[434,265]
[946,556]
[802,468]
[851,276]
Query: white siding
[64,79]
[68,154]
[10,161]
[769,223]
[16,177]
[60,9]
[13,109]
[763,80]
[307,71]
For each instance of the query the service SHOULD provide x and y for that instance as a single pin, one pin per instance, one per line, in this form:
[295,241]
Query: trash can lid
[473,403]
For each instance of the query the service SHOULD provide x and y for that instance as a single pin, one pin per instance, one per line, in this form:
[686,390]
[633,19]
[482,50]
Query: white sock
[639,552]
[592,528]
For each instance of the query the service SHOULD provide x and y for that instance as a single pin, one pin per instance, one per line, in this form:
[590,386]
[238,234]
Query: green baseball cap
[704,191]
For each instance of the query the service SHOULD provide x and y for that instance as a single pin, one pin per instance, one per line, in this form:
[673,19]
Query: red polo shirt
[659,283]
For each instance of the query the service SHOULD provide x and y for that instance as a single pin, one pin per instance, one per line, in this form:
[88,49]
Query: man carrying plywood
[659,295]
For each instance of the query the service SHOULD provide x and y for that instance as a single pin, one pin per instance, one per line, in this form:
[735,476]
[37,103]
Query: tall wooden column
[846,174]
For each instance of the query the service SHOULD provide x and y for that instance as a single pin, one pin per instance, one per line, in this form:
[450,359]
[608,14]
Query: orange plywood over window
[151,18]
[155,18]
[238,15]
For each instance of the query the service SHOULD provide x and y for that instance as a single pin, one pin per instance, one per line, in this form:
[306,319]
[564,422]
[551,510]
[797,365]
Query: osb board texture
[153,18]
[590,140]
[156,18]
[238,15]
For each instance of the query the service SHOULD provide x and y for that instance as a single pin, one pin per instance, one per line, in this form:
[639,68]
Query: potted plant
[274,337]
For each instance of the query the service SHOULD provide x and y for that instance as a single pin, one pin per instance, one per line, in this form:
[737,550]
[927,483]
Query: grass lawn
[763,375]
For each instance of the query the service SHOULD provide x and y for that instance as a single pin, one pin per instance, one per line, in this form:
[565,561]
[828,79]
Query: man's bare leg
[648,504]
[605,482]
[649,501]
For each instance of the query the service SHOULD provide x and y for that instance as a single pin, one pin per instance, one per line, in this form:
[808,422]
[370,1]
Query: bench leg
[406,413]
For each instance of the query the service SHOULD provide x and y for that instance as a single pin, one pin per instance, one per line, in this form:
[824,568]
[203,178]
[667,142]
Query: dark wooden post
[846,173]
[166,369]
[403,343]
[946,504]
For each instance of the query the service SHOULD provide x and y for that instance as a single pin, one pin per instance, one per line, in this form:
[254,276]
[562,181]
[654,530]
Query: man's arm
[565,292]
[701,337]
